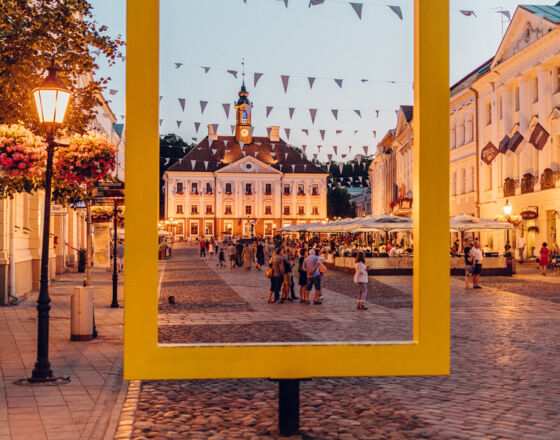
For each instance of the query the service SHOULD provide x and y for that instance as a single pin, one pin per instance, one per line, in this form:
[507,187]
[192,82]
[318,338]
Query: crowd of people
[281,259]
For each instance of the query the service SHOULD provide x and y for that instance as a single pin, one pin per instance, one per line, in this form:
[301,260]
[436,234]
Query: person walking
[221,258]
[286,285]
[120,256]
[302,282]
[247,255]
[521,243]
[231,255]
[476,253]
[202,249]
[543,258]
[469,266]
[555,259]
[260,255]
[238,252]
[361,279]
[311,266]
[210,249]
[277,265]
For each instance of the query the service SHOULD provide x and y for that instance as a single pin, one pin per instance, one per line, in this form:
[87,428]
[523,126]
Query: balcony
[301,193]
[268,193]
[528,183]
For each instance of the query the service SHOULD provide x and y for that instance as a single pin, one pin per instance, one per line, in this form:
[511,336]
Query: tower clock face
[244,132]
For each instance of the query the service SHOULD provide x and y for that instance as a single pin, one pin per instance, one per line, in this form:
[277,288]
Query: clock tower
[243,117]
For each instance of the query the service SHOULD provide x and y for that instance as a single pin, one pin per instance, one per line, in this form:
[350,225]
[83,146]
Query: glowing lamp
[507,208]
[51,99]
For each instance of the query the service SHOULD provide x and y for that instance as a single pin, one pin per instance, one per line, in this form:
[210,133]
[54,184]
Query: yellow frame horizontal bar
[427,354]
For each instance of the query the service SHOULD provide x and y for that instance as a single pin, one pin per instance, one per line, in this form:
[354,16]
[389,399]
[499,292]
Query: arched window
[461,132]
[454,184]
[473,177]
[463,181]
[453,139]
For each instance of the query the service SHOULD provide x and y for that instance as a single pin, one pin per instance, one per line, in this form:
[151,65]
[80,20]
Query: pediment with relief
[248,165]
[524,29]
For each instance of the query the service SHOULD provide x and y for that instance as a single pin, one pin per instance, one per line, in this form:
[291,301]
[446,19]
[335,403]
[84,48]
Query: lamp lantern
[507,208]
[51,99]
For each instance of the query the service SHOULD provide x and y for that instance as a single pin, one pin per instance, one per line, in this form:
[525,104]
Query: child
[221,258]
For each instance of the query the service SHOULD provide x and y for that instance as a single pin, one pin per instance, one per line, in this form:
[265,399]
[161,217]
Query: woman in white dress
[361,279]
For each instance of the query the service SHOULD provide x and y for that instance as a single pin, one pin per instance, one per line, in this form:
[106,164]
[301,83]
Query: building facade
[243,185]
[504,135]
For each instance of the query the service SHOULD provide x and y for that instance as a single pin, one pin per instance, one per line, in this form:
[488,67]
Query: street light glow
[507,208]
[51,99]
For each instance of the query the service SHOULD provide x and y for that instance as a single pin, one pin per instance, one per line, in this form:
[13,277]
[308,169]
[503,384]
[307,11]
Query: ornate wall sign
[529,215]
[489,153]
[515,141]
[539,137]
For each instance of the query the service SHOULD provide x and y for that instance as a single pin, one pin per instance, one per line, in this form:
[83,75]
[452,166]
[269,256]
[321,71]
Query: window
[471,187]
[500,107]
[268,189]
[228,188]
[315,190]
[208,188]
[300,190]
[454,184]
[194,209]
[194,188]
[228,210]
[248,209]
[488,113]
[453,135]
[315,210]
[248,188]
[488,177]
[208,209]
[536,89]
[268,210]
[179,209]
[301,210]
[208,229]
[286,210]
[516,98]
[179,188]
[557,71]
[463,181]
[286,190]
[194,228]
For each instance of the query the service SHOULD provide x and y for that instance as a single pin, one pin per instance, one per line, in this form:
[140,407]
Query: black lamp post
[507,213]
[51,98]
[115,301]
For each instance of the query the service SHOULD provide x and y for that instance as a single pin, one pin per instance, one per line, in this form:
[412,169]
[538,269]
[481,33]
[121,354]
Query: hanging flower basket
[88,159]
[21,152]
[104,214]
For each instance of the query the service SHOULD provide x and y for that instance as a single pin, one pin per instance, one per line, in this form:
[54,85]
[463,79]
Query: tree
[34,34]
[338,203]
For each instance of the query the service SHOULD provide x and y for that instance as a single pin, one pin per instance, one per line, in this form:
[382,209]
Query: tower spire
[243,69]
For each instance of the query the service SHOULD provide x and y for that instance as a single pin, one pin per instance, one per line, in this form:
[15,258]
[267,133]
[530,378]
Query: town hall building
[243,185]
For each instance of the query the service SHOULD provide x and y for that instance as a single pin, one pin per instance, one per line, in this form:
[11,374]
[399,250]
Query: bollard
[81,317]
[288,406]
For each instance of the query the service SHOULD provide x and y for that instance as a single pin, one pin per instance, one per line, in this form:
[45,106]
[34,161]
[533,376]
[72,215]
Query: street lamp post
[115,301]
[507,213]
[51,99]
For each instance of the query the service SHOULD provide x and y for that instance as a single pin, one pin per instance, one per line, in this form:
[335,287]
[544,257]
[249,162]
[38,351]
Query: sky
[326,42]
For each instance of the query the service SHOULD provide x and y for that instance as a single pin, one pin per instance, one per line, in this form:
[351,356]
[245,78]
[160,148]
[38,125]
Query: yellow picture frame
[426,354]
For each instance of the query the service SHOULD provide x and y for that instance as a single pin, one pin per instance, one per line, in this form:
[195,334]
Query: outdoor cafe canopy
[382,223]
[465,223]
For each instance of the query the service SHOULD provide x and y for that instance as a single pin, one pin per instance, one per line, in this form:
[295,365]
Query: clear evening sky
[327,41]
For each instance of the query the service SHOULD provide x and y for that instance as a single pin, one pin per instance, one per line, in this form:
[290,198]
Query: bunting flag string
[285,80]
[113,91]
[203,105]
[232,129]
[305,130]
[335,113]
[178,65]
[226,109]
[335,148]
[338,82]
[233,72]
[291,110]
[256,77]
[322,133]
[287,131]
[340,131]
[206,69]
[358,112]
[467,13]
[313,113]
[179,124]
[357,9]
[196,126]
[311,81]
[304,147]
[182,102]
[268,110]
[365,150]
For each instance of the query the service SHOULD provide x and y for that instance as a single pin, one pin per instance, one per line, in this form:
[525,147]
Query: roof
[226,150]
[468,79]
[551,13]
[408,112]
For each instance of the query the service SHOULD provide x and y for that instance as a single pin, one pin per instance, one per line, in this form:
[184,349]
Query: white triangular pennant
[193,164]
[293,168]
[206,165]
[166,161]
[214,151]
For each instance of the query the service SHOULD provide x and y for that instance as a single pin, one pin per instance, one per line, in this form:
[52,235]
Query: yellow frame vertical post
[427,353]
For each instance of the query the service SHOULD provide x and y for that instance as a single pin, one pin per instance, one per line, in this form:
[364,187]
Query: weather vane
[243,67]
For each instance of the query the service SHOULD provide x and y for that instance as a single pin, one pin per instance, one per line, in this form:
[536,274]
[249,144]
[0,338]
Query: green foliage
[35,34]
[338,203]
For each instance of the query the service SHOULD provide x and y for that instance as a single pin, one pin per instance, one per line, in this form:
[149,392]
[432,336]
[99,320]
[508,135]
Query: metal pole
[115,302]
[288,406]
[42,371]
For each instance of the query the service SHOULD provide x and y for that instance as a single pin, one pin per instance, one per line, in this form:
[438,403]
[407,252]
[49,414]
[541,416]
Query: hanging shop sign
[529,215]
[539,137]
[489,153]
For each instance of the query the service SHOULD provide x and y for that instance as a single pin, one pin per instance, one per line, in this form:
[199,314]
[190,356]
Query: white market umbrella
[384,223]
[464,223]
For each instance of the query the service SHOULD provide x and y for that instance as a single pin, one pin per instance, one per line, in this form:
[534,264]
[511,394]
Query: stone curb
[125,427]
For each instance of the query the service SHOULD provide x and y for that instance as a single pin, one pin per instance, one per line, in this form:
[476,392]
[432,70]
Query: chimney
[274,133]
[213,132]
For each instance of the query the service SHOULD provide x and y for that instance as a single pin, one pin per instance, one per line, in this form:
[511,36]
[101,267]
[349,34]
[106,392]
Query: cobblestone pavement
[504,382]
